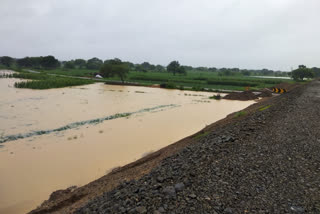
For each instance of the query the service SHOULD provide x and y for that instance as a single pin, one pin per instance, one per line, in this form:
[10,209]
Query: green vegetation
[240,114]
[195,80]
[302,72]
[190,78]
[201,135]
[168,85]
[174,67]
[55,82]
[114,67]
[216,97]
[44,81]
[264,108]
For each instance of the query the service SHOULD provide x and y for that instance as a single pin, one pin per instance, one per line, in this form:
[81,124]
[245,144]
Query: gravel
[267,162]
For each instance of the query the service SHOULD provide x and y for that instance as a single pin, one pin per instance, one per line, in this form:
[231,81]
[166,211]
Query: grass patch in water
[52,83]
[4,139]
[44,81]
[216,97]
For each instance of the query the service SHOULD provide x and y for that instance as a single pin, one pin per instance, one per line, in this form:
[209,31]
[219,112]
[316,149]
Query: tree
[114,67]
[25,62]
[182,70]
[6,61]
[94,63]
[80,63]
[316,71]
[173,67]
[69,64]
[160,68]
[245,72]
[49,62]
[301,73]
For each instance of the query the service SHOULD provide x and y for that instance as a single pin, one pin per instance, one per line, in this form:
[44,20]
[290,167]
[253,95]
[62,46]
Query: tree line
[174,67]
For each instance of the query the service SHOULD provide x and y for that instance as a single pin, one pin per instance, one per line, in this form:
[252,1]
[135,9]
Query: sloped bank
[261,161]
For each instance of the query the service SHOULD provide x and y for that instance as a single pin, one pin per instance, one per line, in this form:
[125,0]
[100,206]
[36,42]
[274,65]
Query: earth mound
[287,86]
[246,95]
[265,93]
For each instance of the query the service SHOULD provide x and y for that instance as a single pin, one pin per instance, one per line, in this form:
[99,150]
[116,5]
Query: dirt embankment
[246,95]
[264,161]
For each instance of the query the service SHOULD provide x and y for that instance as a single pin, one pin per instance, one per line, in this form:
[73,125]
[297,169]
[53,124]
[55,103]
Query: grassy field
[45,81]
[194,80]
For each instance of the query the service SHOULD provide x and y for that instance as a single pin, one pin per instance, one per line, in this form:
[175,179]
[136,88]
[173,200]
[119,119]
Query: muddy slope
[267,162]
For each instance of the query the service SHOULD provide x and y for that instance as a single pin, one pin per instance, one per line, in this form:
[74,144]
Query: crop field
[196,80]
[45,81]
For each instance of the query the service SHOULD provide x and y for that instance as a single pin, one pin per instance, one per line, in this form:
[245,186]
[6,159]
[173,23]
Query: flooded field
[53,139]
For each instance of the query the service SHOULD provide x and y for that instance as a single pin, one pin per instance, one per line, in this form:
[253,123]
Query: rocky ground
[267,161]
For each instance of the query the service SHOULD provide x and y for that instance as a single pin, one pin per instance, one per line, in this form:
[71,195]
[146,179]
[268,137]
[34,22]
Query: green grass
[240,114]
[70,72]
[201,135]
[193,80]
[52,83]
[44,81]
[264,108]
[216,97]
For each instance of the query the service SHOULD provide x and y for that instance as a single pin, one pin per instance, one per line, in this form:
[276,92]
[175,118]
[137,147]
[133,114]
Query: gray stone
[169,190]
[297,209]
[179,187]
[141,209]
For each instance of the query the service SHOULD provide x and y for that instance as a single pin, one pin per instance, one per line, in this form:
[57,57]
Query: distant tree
[49,62]
[301,73]
[245,72]
[266,72]
[25,62]
[316,71]
[140,68]
[147,66]
[114,67]
[182,70]
[69,64]
[80,63]
[160,68]
[94,63]
[235,69]
[201,69]
[225,72]
[36,62]
[6,61]
[212,69]
[173,67]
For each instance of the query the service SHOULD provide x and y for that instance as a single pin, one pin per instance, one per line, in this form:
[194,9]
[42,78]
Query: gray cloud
[276,34]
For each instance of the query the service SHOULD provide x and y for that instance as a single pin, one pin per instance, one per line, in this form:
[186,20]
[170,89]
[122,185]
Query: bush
[216,97]
[197,88]
[169,85]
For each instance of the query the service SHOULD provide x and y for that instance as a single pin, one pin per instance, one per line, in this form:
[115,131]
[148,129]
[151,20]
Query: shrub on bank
[168,85]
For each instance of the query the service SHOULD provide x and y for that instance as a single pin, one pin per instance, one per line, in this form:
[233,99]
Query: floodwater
[271,77]
[53,139]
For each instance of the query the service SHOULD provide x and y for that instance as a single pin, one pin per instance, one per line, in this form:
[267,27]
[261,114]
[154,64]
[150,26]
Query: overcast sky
[274,34]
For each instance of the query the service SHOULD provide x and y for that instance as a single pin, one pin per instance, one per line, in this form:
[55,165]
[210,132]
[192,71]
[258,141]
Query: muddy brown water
[35,165]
